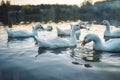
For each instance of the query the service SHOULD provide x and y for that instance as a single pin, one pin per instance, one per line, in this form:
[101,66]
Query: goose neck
[97,43]
[34,31]
[107,26]
[107,31]
[73,36]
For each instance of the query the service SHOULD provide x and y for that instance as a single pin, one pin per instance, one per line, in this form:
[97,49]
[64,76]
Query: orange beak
[83,43]
[82,27]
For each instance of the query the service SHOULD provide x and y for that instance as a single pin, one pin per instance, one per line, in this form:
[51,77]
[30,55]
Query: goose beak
[42,28]
[83,43]
[82,27]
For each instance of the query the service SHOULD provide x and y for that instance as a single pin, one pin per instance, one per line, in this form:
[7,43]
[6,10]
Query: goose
[59,42]
[48,28]
[108,33]
[66,32]
[112,45]
[23,33]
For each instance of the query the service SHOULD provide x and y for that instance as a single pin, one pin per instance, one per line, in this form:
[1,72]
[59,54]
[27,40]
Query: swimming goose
[112,45]
[59,42]
[66,32]
[108,33]
[48,28]
[23,33]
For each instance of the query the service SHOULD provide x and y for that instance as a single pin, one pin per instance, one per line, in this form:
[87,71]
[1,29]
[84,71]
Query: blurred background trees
[4,13]
[109,9]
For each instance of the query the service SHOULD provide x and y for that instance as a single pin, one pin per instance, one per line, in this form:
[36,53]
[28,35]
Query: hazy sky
[35,2]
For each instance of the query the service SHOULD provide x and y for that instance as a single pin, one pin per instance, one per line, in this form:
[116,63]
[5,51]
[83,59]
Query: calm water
[21,59]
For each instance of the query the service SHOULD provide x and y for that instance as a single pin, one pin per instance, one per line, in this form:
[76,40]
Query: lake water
[21,59]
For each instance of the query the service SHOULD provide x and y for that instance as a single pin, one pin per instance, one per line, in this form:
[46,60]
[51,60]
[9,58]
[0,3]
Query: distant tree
[4,13]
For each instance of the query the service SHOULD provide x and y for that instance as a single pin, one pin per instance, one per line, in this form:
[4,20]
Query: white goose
[112,45]
[48,28]
[67,32]
[23,33]
[59,42]
[108,33]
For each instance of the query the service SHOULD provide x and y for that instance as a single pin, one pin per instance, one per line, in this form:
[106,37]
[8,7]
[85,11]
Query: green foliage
[45,13]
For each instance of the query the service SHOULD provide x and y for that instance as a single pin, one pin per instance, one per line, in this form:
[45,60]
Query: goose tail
[59,31]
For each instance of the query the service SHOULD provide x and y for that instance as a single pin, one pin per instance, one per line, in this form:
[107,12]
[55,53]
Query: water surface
[21,59]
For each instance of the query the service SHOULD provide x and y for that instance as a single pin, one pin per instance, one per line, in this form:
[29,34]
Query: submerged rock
[87,65]
[76,63]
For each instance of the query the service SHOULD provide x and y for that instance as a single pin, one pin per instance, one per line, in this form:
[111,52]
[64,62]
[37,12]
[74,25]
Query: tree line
[56,13]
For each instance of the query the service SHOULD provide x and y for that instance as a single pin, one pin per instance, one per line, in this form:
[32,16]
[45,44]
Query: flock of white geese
[111,45]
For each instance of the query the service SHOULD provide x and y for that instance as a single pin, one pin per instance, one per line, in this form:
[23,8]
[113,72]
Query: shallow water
[21,59]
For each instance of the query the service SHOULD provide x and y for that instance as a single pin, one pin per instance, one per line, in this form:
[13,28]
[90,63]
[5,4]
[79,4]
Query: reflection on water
[21,42]
[55,51]
[92,57]
[21,59]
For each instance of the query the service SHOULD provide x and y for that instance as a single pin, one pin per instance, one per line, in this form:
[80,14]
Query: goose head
[88,38]
[49,28]
[105,22]
[84,25]
[77,27]
[37,26]
[81,24]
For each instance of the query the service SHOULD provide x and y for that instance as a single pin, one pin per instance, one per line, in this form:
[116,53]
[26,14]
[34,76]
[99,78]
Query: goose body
[108,33]
[112,45]
[55,43]
[59,42]
[67,32]
[23,33]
